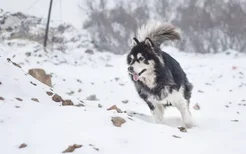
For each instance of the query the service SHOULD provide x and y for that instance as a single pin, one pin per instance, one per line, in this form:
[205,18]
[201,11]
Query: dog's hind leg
[157,111]
[183,107]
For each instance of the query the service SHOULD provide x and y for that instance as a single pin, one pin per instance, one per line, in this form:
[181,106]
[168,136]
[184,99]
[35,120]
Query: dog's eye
[141,58]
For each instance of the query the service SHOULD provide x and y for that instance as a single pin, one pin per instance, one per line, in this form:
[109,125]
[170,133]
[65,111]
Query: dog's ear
[135,41]
[149,42]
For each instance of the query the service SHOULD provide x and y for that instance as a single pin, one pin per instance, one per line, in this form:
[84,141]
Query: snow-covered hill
[48,127]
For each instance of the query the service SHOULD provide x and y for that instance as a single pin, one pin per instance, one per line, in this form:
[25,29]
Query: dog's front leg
[157,111]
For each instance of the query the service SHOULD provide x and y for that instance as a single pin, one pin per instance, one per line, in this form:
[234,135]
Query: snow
[48,127]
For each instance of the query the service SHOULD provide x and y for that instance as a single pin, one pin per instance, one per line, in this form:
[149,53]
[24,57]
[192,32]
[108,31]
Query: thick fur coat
[159,79]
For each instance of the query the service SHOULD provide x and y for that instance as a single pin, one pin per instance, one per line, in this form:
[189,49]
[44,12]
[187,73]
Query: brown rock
[67,102]
[35,99]
[182,129]
[118,121]
[23,145]
[1,98]
[71,148]
[40,75]
[114,107]
[57,98]
[49,93]
[19,99]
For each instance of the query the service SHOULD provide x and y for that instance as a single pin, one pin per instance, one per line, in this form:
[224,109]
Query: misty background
[207,26]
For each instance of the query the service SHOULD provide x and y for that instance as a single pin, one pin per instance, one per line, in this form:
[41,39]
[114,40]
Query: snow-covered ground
[47,127]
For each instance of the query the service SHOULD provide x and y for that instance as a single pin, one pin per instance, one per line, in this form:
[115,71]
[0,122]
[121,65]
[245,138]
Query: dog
[158,77]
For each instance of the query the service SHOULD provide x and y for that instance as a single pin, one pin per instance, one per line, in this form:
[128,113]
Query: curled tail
[158,32]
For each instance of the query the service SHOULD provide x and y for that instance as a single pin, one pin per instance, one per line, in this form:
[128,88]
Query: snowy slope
[47,127]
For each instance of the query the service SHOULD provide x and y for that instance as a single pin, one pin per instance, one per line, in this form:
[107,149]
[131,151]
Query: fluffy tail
[158,32]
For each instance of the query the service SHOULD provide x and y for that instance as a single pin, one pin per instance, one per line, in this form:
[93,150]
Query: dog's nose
[130,69]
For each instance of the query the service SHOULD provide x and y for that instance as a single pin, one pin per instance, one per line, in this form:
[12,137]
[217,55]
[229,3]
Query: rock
[49,93]
[118,121]
[1,98]
[235,120]
[182,129]
[19,99]
[99,105]
[114,107]
[67,102]
[196,107]
[23,145]
[71,148]
[35,99]
[79,105]
[57,98]
[200,91]
[40,75]
[79,90]
[108,65]
[33,83]
[92,97]
[125,101]
[175,136]
[89,51]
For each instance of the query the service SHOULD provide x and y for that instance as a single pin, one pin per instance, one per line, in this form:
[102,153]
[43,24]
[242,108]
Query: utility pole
[47,26]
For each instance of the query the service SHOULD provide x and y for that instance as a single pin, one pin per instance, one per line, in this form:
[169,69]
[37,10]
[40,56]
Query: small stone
[79,105]
[175,136]
[114,107]
[227,106]
[17,106]
[99,105]
[71,148]
[125,101]
[57,98]
[19,99]
[182,129]
[79,90]
[200,91]
[49,93]
[35,99]
[117,79]
[92,97]
[89,51]
[1,98]
[67,102]
[196,107]
[23,145]
[118,121]
[108,65]
[235,120]
[33,83]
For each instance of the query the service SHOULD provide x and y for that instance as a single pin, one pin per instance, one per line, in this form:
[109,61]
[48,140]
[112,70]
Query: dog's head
[142,59]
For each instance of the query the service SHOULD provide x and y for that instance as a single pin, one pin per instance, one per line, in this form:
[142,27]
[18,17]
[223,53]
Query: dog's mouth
[136,76]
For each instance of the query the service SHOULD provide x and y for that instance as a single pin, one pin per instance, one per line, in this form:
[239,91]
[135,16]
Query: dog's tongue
[135,76]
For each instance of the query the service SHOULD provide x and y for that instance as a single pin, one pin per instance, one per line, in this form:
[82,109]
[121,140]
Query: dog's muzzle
[135,75]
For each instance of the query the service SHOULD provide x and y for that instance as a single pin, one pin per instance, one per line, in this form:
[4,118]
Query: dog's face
[141,60]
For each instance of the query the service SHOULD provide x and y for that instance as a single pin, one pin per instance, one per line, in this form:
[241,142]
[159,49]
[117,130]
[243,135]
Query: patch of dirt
[35,99]
[118,121]
[23,145]
[71,148]
[114,107]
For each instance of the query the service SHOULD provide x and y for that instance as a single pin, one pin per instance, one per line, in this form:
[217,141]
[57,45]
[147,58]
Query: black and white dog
[159,79]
